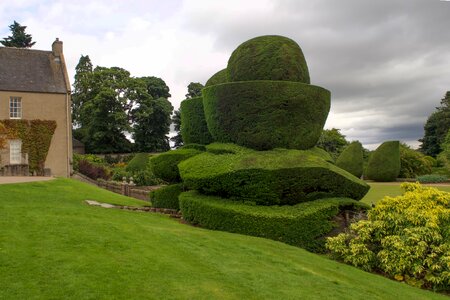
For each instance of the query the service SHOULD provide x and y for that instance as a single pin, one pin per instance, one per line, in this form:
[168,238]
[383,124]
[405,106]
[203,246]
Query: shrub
[165,165]
[226,148]
[266,114]
[93,171]
[413,163]
[384,163]
[167,196]
[145,178]
[302,225]
[269,57]
[269,177]
[193,123]
[432,178]
[406,237]
[138,163]
[218,78]
[194,146]
[351,159]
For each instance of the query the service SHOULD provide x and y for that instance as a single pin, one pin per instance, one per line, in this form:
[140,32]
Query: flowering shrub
[406,237]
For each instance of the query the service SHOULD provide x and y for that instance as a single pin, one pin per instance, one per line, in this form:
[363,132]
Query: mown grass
[53,246]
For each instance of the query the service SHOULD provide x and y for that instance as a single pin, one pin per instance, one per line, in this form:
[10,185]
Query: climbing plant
[36,136]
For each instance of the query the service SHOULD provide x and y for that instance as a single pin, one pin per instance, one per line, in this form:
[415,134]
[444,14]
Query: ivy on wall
[36,136]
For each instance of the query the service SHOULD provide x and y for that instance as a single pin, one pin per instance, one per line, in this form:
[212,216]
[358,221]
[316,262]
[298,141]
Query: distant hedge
[193,123]
[270,177]
[269,57]
[301,225]
[138,163]
[167,197]
[199,147]
[164,165]
[266,114]
[384,163]
[351,159]
[218,78]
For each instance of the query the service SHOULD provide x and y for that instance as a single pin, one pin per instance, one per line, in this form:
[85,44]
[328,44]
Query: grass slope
[52,246]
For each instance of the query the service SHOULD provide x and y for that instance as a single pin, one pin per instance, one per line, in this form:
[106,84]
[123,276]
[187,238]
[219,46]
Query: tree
[81,87]
[19,38]
[194,90]
[156,87]
[436,128]
[413,163]
[176,120]
[332,141]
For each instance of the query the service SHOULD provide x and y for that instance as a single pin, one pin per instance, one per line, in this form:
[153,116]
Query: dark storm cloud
[389,58]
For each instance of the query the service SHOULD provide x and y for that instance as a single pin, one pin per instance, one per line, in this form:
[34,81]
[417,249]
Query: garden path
[20,179]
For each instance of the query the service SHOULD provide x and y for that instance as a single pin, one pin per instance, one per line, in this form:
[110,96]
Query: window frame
[17,114]
[15,157]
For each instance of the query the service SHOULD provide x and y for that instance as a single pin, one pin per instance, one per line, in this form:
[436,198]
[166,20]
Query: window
[15,152]
[15,108]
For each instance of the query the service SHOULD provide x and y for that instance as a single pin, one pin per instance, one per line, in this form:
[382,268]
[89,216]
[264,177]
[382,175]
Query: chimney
[57,48]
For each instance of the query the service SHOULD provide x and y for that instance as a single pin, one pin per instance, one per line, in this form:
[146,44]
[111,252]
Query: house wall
[46,107]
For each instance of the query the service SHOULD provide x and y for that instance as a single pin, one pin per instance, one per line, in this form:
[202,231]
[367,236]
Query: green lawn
[379,190]
[53,246]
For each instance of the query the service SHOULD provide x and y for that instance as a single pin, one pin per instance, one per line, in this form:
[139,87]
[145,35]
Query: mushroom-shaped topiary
[218,78]
[269,57]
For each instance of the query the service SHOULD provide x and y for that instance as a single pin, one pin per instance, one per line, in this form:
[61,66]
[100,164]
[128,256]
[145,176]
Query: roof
[77,143]
[27,70]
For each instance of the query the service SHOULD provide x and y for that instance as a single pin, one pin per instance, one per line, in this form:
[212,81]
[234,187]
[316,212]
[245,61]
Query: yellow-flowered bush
[406,237]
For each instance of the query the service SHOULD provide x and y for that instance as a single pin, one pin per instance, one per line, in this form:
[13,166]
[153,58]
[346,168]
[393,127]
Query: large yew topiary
[193,123]
[269,57]
[218,78]
[266,114]
[384,163]
[351,159]
[165,165]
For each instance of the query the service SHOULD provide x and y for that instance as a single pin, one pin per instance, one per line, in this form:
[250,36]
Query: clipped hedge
[199,147]
[269,57]
[270,177]
[301,225]
[384,163]
[138,163]
[193,124]
[167,196]
[351,159]
[266,114]
[165,165]
[218,78]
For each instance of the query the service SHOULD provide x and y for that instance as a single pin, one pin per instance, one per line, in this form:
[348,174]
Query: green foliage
[80,92]
[436,127]
[269,57]
[176,120]
[144,178]
[165,165]
[273,177]
[432,178]
[199,147]
[194,90]
[156,87]
[351,159]
[193,123]
[302,225]
[332,141]
[221,148]
[139,162]
[218,78]
[167,196]
[266,114]
[413,163]
[19,38]
[384,163]
[406,237]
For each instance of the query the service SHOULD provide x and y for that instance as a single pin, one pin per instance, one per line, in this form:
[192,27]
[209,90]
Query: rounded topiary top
[384,163]
[351,159]
[269,57]
[218,78]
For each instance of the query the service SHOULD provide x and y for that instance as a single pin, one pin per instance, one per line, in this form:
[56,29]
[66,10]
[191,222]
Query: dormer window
[15,108]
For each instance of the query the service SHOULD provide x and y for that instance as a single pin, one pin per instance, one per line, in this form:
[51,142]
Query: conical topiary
[384,164]
[351,159]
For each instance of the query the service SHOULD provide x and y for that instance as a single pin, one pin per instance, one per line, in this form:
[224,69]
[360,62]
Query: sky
[386,62]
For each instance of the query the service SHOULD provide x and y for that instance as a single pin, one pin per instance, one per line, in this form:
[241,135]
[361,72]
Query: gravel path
[20,179]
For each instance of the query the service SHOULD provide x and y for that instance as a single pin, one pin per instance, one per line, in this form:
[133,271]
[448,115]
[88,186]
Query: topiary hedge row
[301,225]
[165,165]
[193,124]
[167,197]
[270,177]
[270,57]
[351,159]
[384,163]
[266,114]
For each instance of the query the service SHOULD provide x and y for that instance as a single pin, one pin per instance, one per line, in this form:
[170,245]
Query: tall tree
[156,87]
[19,38]
[436,127]
[176,121]
[194,90]
[81,87]
[332,141]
